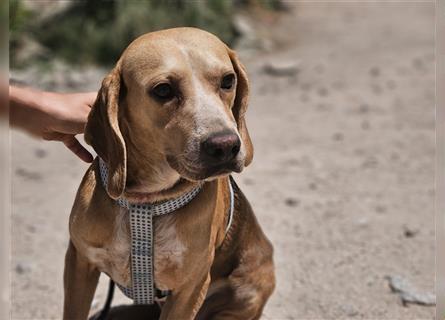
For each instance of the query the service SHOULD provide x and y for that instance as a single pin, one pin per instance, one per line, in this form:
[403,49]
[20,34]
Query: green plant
[19,18]
[93,31]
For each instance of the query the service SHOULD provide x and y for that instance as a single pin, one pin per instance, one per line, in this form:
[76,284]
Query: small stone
[281,68]
[374,71]
[370,162]
[322,91]
[40,153]
[363,108]
[408,294]
[363,222]
[409,233]
[22,268]
[27,174]
[338,136]
[418,63]
[380,209]
[291,202]
[349,310]
[243,26]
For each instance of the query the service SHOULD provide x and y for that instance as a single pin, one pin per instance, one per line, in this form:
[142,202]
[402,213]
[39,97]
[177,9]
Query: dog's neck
[149,176]
[148,183]
[151,179]
[181,187]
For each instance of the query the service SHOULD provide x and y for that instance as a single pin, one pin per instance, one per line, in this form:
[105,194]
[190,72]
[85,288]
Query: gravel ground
[342,180]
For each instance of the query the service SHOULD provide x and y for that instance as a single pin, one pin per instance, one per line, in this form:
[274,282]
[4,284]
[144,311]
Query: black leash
[106,309]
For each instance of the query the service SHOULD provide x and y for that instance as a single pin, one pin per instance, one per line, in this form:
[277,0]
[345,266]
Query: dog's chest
[169,251]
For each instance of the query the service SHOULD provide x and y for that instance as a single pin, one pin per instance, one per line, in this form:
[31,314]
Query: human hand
[52,116]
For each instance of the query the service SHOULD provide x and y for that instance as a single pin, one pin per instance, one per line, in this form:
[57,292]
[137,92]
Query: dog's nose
[221,147]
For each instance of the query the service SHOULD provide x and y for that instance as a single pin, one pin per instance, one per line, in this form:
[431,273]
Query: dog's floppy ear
[240,105]
[103,134]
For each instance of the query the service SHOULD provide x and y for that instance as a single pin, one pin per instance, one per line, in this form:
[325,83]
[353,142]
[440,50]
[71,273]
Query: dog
[169,117]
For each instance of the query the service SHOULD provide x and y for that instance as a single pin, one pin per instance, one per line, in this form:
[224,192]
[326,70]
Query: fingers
[74,145]
[72,111]
[71,127]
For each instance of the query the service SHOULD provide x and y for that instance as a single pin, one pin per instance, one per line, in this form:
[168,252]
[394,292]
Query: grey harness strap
[142,290]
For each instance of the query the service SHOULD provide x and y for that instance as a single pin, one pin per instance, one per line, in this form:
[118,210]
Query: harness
[143,289]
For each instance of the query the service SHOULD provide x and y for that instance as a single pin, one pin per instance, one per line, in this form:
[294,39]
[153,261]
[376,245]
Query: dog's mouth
[199,172]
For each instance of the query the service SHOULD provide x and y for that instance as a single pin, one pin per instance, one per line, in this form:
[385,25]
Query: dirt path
[342,179]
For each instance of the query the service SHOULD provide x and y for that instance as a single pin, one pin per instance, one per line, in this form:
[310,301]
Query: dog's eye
[227,81]
[163,91]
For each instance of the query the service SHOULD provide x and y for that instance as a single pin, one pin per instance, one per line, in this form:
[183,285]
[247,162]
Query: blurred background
[342,120]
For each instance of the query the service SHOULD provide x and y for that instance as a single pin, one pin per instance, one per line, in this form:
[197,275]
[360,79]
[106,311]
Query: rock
[338,136]
[291,202]
[380,209]
[248,40]
[374,71]
[408,294]
[409,232]
[243,26]
[370,162]
[349,310]
[31,229]
[418,63]
[322,91]
[27,174]
[281,68]
[22,268]
[313,186]
[363,222]
[363,108]
[40,153]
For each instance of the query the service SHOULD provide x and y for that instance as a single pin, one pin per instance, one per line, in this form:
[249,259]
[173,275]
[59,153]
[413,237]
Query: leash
[143,290]
[107,306]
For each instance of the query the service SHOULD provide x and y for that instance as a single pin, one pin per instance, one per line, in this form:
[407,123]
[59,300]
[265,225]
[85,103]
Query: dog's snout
[221,147]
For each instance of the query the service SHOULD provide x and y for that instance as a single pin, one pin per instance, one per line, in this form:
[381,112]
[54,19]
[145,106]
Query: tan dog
[168,116]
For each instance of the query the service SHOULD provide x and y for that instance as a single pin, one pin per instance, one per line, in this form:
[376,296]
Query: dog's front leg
[186,302]
[80,281]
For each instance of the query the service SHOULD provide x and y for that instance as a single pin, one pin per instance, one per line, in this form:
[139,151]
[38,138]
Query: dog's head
[176,100]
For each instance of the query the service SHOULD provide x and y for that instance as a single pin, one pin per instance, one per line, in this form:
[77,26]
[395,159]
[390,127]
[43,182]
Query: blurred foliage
[19,17]
[4,35]
[94,31]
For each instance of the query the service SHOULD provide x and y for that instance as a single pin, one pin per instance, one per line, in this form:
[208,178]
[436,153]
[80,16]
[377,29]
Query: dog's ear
[103,134]
[240,105]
